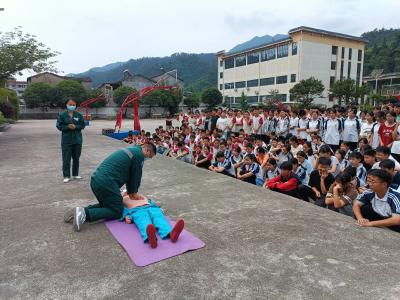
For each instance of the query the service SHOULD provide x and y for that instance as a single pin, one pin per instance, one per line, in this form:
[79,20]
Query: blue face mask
[71,107]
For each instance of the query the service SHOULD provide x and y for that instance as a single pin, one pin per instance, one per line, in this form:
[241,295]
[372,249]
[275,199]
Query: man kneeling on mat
[149,218]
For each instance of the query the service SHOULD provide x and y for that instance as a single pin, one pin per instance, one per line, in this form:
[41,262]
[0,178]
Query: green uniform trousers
[110,206]
[68,152]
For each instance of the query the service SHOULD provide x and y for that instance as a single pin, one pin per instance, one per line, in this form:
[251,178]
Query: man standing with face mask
[70,123]
[123,167]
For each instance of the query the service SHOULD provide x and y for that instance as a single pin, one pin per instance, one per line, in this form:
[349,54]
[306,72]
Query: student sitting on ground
[342,194]
[285,183]
[149,219]
[369,159]
[249,171]
[325,151]
[345,146]
[222,165]
[272,169]
[388,165]
[131,138]
[383,153]
[355,161]
[203,159]
[380,206]
[340,154]
[182,152]
[321,180]
[300,171]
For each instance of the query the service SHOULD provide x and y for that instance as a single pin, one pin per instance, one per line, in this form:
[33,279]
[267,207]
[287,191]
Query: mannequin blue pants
[142,216]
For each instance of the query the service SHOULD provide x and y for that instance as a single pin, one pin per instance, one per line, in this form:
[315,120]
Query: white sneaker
[77,177]
[66,180]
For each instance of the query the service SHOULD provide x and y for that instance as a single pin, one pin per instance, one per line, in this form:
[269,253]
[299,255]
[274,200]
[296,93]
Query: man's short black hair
[219,154]
[286,165]
[352,171]
[325,161]
[370,152]
[152,147]
[387,164]
[356,155]
[251,156]
[271,161]
[325,149]
[383,149]
[382,175]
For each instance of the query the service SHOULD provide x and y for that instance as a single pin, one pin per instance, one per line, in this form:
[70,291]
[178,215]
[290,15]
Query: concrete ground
[259,244]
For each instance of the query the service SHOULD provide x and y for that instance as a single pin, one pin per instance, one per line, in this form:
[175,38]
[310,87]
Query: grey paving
[259,244]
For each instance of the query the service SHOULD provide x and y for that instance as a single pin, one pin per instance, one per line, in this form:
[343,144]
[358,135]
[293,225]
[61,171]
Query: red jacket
[285,185]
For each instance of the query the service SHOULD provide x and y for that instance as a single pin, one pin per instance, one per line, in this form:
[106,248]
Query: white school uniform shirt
[375,135]
[246,127]
[256,122]
[272,174]
[293,122]
[303,124]
[335,162]
[229,123]
[396,145]
[350,131]
[313,124]
[295,150]
[238,124]
[332,132]
[222,123]
[366,129]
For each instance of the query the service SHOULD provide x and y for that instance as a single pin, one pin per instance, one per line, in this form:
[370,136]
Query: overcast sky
[92,33]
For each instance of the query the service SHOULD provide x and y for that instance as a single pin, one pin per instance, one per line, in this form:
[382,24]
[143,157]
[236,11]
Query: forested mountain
[382,50]
[197,70]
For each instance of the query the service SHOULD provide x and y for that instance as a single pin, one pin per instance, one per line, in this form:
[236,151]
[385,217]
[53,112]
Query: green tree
[98,103]
[121,93]
[19,51]
[164,98]
[307,90]
[69,89]
[243,103]
[39,95]
[10,96]
[211,97]
[343,90]
[192,100]
[361,91]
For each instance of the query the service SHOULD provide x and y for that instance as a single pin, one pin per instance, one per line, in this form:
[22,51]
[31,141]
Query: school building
[275,67]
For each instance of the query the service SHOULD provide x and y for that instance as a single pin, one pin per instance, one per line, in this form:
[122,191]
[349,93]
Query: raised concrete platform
[259,244]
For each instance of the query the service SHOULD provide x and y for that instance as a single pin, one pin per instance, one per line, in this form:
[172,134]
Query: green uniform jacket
[121,169]
[70,136]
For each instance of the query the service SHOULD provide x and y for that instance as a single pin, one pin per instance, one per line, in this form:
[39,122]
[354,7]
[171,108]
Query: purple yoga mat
[142,254]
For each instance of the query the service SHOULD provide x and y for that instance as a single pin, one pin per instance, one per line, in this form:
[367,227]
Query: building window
[330,98]
[348,69]
[229,100]
[252,83]
[282,51]
[221,74]
[334,50]
[268,54]
[229,85]
[281,97]
[229,63]
[220,87]
[333,65]
[267,81]
[253,58]
[293,78]
[350,53]
[359,55]
[341,69]
[358,80]
[294,48]
[240,84]
[252,99]
[281,79]
[331,81]
[240,61]
[342,52]
[221,63]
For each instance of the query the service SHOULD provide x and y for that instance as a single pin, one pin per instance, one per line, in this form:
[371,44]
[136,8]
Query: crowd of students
[339,158]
